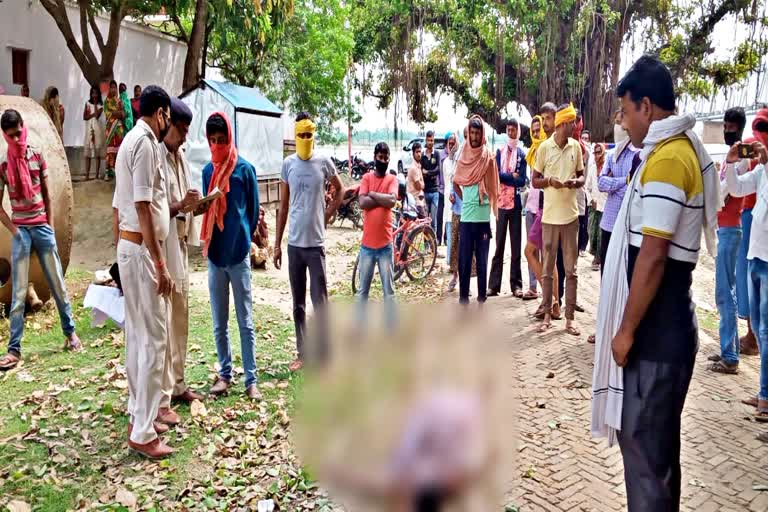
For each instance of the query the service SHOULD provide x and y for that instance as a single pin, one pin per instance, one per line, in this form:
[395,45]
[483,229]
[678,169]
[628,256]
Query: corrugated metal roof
[244,98]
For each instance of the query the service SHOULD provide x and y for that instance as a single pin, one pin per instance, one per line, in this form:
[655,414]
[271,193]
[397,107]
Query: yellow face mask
[304,146]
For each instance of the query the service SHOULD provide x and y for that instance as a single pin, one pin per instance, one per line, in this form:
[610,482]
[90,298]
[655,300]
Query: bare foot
[545,325]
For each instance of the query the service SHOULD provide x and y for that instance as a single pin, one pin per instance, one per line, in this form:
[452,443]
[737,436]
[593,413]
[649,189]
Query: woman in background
[54,108]
[93,146]
[114,113]
[129,121]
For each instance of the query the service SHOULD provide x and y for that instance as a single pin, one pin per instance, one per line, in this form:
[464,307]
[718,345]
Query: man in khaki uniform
[181,197]
[142,220]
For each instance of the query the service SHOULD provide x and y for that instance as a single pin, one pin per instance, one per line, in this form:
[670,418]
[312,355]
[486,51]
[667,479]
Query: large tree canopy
[489,53]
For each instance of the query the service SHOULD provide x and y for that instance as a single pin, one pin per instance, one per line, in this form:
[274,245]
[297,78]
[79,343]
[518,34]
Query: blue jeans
[219,279]
[448,227]
[728,240]
[433,201]
[42,240]
[758,315]
[369,259]
[742,266]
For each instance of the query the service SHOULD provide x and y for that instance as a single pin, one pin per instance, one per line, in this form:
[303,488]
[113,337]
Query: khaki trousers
[146,338]
[178,335]
[567,237]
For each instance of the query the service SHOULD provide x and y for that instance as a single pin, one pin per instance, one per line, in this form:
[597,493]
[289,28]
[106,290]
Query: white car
[406,156]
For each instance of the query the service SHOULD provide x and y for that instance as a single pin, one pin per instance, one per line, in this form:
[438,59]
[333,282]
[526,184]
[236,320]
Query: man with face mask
[613,182]
[183,231]
[142,223]
[302,197]
[377,196]
[228,226]
[729,234]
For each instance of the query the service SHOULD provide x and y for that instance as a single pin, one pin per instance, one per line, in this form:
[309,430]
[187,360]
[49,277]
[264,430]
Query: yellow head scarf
[565,116]
[536,140]
[304,146]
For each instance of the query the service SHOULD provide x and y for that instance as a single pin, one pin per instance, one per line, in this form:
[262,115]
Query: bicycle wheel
[420,253]
[355,275]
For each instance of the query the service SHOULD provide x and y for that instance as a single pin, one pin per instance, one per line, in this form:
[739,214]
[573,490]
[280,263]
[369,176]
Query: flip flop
[715,358]
[572,331]
[518,294]
[544,328]
[722,367]
[752,402]
[761,416]
[530,295]
[591,339]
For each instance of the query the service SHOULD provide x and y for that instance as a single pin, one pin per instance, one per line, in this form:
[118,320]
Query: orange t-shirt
[377,222]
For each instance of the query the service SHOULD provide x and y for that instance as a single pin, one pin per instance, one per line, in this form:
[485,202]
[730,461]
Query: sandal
[572,330]
[518,293]
[73,344]
[530,295]
[761,416]
[715,358]
[752,402]
[591,339]
[763,437]
[723,367]
[296,365]
[9,361]
[544,328]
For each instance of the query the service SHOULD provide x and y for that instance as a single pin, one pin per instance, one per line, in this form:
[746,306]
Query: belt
[132,236]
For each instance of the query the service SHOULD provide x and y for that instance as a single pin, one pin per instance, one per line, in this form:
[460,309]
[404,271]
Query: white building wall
[144,57]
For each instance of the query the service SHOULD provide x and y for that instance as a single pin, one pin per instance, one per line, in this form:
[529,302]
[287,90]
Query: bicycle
[415,249]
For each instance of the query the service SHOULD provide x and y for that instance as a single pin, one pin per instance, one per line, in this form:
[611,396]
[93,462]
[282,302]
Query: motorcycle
[349,207]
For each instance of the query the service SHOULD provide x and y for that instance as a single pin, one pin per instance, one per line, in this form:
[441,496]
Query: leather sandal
[9,361]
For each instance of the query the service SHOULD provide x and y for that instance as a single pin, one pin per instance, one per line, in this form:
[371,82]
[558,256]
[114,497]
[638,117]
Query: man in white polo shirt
[142,221]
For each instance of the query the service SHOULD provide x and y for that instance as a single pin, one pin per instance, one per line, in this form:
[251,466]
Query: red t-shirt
[377,223]
[730,215]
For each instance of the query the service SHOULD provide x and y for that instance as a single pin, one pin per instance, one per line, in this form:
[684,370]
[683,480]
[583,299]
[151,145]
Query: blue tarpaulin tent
[255,120]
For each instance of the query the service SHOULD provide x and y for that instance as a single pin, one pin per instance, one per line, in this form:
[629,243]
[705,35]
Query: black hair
[98,95]
[123,85]
[648,78]
[512,122]
[216,124]
[416,145]
[54,92]
[548,107]
[135,86]
[10,119]
[736,115]
[430,133]
[475,123]
[302,116]
[586,131]
[381,149]
[563,107]
[112,82]
[152,99]
[180,112]
[429,500]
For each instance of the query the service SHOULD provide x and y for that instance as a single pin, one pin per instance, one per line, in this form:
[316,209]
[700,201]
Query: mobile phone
[746,151]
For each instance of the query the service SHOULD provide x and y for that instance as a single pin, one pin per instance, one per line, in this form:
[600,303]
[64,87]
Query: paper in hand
[214,194]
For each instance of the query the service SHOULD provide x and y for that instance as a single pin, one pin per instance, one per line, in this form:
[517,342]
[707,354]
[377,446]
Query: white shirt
[593,193]
[750,183]
[177,177]
[139,177]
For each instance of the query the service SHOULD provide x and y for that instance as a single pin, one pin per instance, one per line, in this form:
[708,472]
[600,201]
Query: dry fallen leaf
[18,506]
[126,498]
[197,409]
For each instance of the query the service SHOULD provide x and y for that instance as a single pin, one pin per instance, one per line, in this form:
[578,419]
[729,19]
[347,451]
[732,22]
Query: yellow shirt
[560,205]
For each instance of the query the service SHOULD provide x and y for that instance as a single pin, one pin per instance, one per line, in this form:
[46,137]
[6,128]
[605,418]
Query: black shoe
[578,308]
[493,293]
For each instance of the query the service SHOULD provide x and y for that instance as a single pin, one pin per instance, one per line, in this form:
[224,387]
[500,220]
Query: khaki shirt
[177,175]
[139,177]
[560,206]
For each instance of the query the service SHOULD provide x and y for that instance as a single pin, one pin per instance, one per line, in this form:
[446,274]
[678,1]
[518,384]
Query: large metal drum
[42,135]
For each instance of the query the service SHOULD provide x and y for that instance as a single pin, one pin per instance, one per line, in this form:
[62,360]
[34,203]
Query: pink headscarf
[19,179]
[478,166]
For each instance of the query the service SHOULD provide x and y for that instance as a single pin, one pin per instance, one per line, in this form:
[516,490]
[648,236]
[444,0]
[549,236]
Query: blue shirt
[233,245]
[619,166]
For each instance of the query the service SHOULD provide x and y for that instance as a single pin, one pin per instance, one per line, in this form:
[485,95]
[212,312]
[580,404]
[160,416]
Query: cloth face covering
[304,147]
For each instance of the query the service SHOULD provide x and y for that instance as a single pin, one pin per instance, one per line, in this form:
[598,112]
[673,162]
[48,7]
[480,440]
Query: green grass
[63,428]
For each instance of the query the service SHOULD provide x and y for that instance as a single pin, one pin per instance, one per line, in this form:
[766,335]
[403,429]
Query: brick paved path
[562,468]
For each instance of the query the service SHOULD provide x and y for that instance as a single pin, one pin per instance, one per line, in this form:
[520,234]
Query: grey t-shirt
[306,213]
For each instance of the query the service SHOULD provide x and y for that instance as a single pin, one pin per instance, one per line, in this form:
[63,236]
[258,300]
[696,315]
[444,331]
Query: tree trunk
[206,43]
[195,47]
[93,70]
